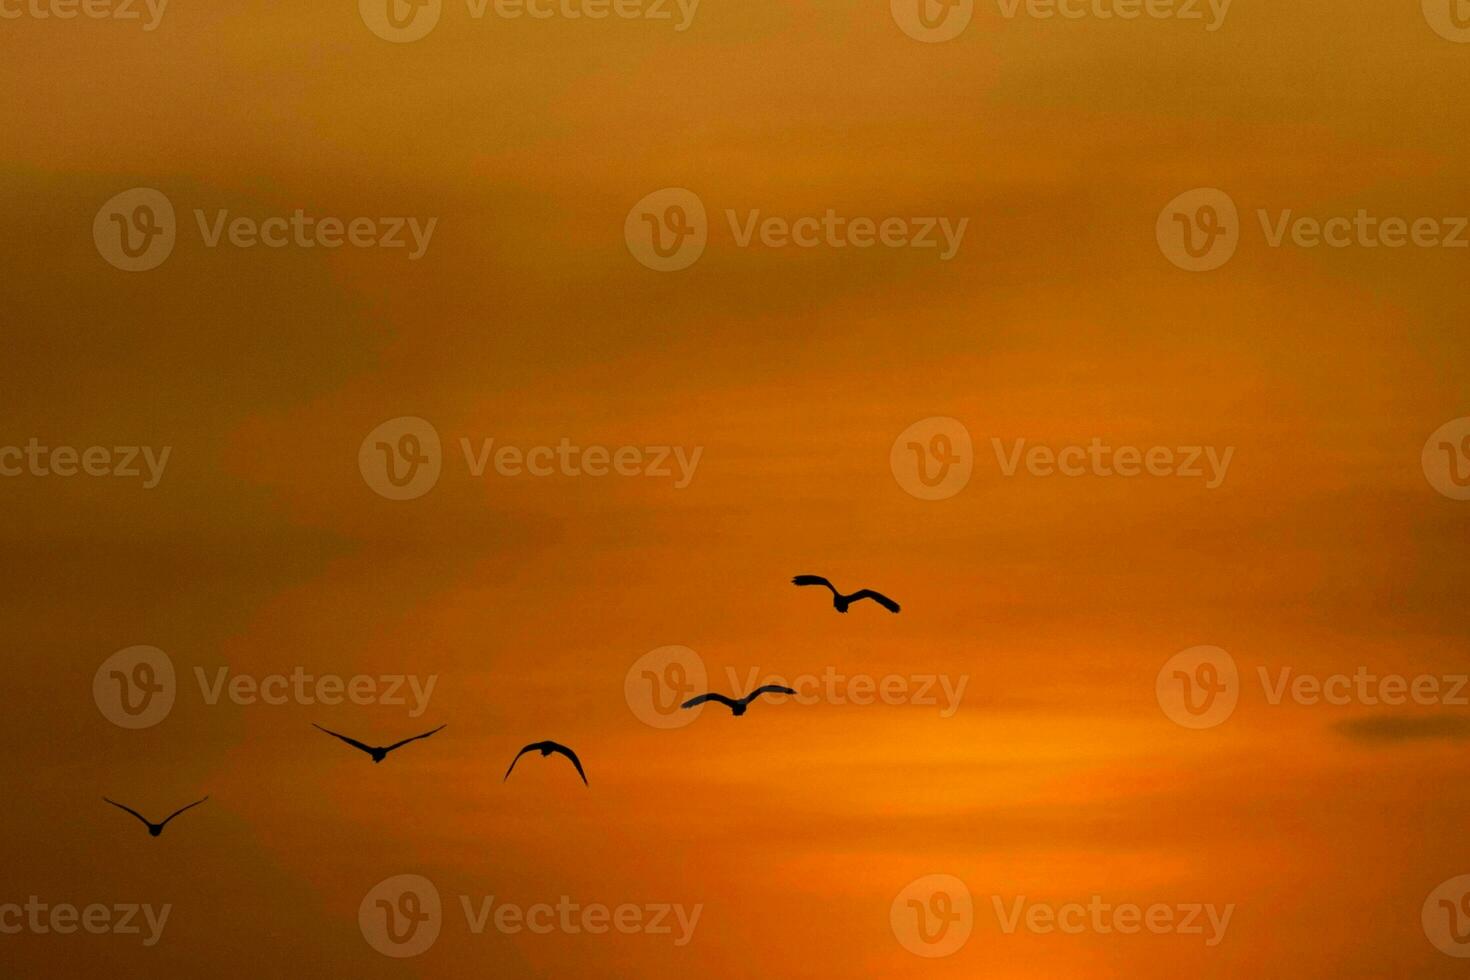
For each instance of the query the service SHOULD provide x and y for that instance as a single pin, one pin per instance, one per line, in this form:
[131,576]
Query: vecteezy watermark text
[405,21]
[402,916]
[402,459]
[63,918]
[124,10]
[136,688]
[36,459]
[136,230]
[1206,463]
[668,230]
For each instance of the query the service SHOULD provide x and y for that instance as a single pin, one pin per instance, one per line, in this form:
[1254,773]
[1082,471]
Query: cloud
[1392,729]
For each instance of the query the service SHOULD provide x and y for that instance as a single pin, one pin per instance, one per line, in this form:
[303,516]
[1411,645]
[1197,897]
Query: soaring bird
[154,829]
[843,601]
[737,708]
[378,754]
[546,748]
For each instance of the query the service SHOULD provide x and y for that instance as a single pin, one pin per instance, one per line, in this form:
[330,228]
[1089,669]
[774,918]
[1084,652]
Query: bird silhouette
[154,829]
[840,601]
[546,748]
[737,707]
[378,753]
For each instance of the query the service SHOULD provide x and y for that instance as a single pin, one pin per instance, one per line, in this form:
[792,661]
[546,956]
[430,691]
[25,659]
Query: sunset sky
[529,320]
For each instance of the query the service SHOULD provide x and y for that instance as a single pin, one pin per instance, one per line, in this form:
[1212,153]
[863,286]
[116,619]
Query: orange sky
[1056,600]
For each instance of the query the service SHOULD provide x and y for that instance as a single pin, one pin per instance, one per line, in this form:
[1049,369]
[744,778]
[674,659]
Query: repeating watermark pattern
[933,916]
[148,13]
[1200,230]
[1446,917]
[40,918]
[403,916]
[668,230]
[405,21]
[137,230]
[932,21]
[401,459]
[136,688]
[1450,19]
[1446,459]
[1207,463]
[661,680]
[1200,687]
[126,462]
[1206,920]
[933,459]
[834,688]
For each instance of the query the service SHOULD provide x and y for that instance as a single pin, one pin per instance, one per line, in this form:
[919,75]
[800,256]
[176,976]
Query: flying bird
[154,829]
[843,601]
[737,708]
[546,748]
[378,754]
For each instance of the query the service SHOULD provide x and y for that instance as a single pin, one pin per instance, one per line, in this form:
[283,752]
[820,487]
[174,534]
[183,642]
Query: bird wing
[350,741]
[181,810]
[877,597]
[812,580]
[130,810]
[769,689]
[530,748]
[692,702]
[414,739]
[573,756]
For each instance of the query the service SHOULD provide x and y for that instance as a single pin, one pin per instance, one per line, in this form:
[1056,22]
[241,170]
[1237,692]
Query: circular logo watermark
[1446,917]
[1446,459]
[667,230]
[932,21]
[401,458]
[135,230]
[660,681]
[933,458]
[933,916]
[1198,687]
[135,687]
[1199,230]
[401,916]
[400,21]
[1449,18]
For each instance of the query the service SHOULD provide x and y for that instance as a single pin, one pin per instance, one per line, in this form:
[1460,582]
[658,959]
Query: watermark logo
[400,21]
[1449,18]
[932,21]
[667,230]
[401,916]
[1199,230]
[933,459]
[135,687]
[401,459]
[1446,459]
[1446,917]
[1199,687]
[135,231]
[933,916]
[660,681]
